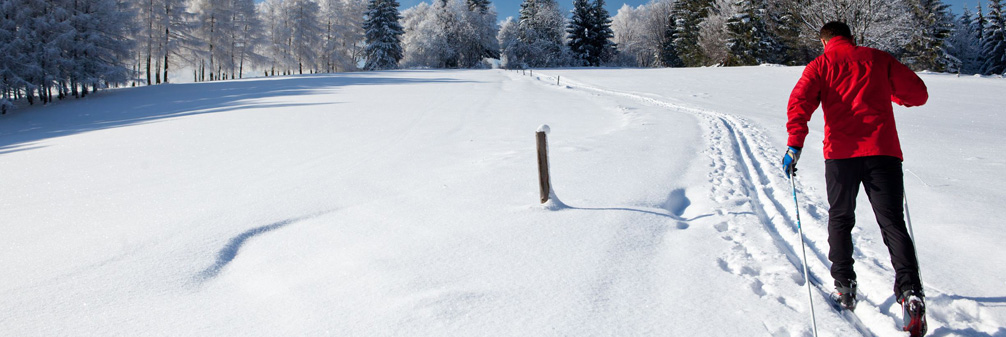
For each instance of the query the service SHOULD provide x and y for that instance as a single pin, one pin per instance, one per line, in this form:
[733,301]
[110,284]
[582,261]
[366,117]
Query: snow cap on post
[544,128]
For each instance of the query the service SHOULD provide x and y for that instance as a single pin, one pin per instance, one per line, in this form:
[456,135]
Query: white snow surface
[405,203]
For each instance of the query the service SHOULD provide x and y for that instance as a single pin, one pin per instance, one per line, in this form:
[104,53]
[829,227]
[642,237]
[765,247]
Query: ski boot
[845,295]
[913,306]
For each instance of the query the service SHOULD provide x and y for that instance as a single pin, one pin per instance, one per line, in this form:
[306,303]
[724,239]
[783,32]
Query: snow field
[405,203]
[961,112]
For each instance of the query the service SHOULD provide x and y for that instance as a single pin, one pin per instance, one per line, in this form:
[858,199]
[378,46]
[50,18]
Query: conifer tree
[590,33]
[783,21]
[581,35]
[669,52]
[749,41]
[994,44]
[978,28]
[383,35]
[478,5]
[602,24]
[964,43]
[688,14]
[927,49]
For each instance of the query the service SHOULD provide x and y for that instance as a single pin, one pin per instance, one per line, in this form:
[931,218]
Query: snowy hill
[404,203]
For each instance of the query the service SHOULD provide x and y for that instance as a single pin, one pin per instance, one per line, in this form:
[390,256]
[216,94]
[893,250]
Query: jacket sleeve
[907,89]
[804,99]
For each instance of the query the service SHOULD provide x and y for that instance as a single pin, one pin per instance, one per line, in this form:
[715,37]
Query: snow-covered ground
[405,203]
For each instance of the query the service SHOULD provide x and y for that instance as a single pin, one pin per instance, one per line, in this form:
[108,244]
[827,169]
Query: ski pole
[803,247]
[911,233]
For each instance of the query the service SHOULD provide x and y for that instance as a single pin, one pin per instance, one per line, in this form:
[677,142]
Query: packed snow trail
[751,155]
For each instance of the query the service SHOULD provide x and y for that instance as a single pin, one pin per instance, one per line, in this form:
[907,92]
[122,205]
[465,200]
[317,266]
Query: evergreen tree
[749,40]
[964,43]
[481,6]
[602,24]
[688,14]
[383,35]
[581,36]
[927,49]
[978,29]
[590,33]
[669,52]
[994,44]
[783,21]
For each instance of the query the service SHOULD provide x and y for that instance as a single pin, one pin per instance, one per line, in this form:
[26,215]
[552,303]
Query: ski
[850,316]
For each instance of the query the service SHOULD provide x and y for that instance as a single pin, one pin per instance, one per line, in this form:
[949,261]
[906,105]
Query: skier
[855,87]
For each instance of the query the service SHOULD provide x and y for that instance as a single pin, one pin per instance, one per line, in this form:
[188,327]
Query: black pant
[883,180]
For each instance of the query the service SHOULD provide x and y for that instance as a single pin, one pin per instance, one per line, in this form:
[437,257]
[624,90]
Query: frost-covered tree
[53,49]
[627,27]
[688,15]
[749,39]
[713,33]
[886,25]
[305,34]
[994,42]
[590,33]
[656,20]
[9,51]
[510,45]
[245,36]
[449,34]
[540,35]
[965,44]
[470,29]
[213,27]
[424,40]
[927,49]
[163,31]
[383,35]
[642,35]
[278,34]
[342,23]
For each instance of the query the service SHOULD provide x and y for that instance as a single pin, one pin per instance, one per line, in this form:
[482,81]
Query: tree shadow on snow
[22,129]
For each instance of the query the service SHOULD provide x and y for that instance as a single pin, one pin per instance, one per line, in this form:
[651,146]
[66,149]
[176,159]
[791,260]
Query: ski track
[747,184]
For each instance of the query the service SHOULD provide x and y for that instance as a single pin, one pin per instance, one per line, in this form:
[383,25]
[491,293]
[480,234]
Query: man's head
[833,29]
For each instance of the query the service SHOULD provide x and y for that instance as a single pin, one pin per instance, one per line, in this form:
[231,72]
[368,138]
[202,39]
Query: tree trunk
[167,36]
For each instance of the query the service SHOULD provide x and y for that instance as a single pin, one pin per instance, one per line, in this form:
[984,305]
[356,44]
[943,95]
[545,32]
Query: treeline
[923,33]
[51,49]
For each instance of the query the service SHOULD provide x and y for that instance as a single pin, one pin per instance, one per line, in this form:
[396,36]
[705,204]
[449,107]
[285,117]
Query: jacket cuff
[795,141]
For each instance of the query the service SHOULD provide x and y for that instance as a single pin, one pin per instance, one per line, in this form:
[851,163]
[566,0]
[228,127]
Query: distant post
[543,179]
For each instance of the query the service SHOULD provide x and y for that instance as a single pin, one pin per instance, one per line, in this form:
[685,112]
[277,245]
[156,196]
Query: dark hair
[835,28]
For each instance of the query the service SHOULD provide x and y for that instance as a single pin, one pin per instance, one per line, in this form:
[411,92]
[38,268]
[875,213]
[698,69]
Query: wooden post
[543,178]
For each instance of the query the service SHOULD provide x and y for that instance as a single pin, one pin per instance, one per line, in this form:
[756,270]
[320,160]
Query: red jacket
[855,86]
